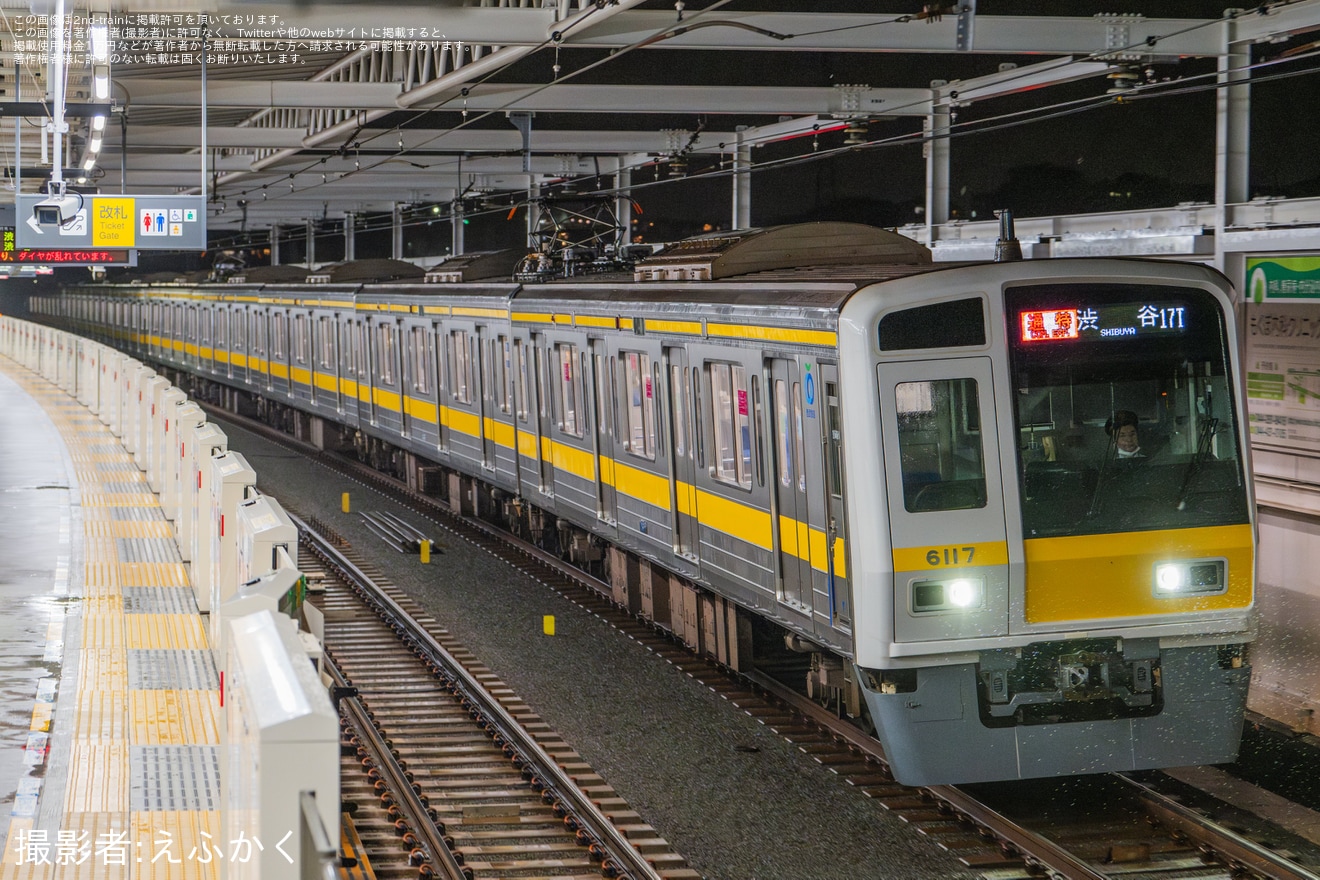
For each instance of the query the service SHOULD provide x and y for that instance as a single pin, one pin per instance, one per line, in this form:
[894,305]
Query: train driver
[1123,429]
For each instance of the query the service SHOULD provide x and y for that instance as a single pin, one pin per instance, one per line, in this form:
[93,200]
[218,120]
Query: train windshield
[1125,414]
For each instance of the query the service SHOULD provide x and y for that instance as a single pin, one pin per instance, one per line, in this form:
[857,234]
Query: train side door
[602,375]
[683,490]
[486,370]
[440,358]
[790,472]
[945,495]
[838,594]
[362,357]
[347,372]
[545,416]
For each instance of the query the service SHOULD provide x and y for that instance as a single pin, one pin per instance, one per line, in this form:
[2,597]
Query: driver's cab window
[939,439]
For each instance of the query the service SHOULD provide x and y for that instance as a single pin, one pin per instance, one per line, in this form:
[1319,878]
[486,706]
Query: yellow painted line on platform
[100,578]
[154,574]
[93,827]
[101,715]
[104,631]
[163,631]
[174,718]
[186,828]
[14,866]
[128,528]
[108,603]
[107,667]
[123,499]
[98,778]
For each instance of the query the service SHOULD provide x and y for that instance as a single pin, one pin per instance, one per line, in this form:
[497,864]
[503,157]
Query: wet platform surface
[109,738]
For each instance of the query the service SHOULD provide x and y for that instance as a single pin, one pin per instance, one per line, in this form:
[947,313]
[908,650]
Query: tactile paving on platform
[131,738]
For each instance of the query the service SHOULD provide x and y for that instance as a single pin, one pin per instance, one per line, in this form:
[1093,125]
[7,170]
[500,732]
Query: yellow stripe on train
[1096,577]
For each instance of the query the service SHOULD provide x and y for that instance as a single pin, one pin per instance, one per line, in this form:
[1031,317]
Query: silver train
[812,440]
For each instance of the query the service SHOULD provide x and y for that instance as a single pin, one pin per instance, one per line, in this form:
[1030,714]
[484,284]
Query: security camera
[57,208]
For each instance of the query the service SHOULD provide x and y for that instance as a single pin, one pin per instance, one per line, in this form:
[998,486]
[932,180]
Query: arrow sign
[36,227]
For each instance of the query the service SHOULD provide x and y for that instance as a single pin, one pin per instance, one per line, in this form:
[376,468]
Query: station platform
[109,730]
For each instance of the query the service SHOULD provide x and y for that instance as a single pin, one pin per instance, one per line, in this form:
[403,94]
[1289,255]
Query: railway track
[448,768]
[1140,832]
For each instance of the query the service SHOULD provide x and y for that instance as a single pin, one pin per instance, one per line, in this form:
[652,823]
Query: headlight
[959,594]
[1192,577]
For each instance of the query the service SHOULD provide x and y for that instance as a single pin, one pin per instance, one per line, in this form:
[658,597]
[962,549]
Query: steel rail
[1235,851]
[415,812]
[630,863]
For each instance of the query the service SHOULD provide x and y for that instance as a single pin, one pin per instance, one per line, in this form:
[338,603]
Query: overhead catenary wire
[1051,111]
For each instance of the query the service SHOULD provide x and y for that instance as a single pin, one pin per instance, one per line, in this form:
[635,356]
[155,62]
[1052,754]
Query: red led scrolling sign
[68,256]
[1040,326]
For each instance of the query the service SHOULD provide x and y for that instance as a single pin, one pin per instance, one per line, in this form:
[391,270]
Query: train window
[387,344]
[756,429]
[678,406]
[258,335]
[460,366]
[570,390]
[417,359]
[239,328]
[220,332]
[602,392]
[783,427]
[943,463]
[543,386]
[799,450]
[640,390]
[699,420]
[279,332]
[500,365]
[346,339]
[941,325]
[325,338]
[360,355]
[302,342]
[732,423]
[520,358]
[833,441]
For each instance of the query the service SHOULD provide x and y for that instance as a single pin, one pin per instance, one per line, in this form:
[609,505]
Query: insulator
[1122,80]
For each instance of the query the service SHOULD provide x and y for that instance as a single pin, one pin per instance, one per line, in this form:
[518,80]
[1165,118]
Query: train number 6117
[950,556]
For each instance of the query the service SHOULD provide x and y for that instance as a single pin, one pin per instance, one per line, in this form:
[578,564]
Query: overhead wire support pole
[206,32]
[59,70]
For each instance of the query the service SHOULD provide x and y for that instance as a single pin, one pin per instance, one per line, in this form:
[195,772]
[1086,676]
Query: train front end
[1067,581]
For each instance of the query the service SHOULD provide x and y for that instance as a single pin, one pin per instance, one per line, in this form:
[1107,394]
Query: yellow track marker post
[548,624]
[424,547]
[344,502]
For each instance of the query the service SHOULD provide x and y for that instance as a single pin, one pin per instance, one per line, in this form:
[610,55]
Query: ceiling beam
[420,142]
[733,30]
[567,98]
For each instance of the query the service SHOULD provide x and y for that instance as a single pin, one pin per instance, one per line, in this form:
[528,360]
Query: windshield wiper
[1208,428]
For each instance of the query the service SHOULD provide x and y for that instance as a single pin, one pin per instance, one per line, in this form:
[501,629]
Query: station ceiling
[310,111]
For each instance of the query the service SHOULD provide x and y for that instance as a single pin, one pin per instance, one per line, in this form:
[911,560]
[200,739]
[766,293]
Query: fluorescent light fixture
[89,164]
[98,123]
[101,82]
[95,144]
[98,38]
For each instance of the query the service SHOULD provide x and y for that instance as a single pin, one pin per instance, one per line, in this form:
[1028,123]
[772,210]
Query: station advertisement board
[120,221]
[1283,279]
[1281,334]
